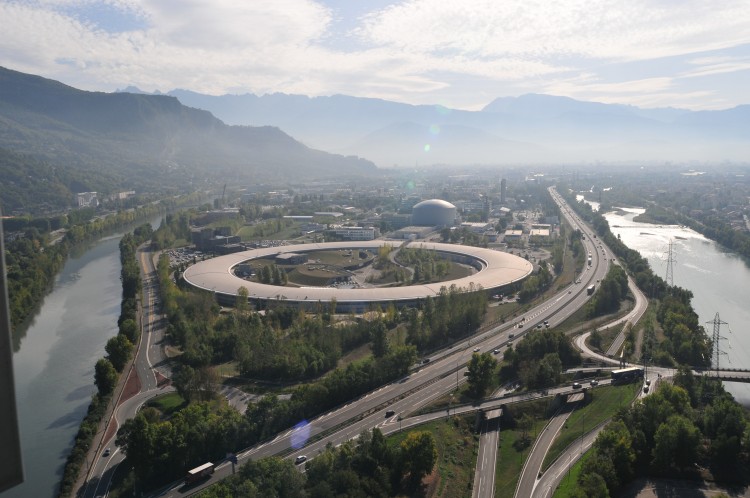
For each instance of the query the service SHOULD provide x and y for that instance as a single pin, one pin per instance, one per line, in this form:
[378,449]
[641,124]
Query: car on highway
[576,385]
[495,351]
[107,452]
[594,383]
[476,350]
[300,459]
[389,413]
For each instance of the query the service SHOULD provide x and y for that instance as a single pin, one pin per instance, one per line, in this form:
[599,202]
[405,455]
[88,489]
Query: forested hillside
[58,139]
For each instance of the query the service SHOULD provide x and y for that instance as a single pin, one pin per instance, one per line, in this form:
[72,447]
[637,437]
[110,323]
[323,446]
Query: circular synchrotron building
[497,272]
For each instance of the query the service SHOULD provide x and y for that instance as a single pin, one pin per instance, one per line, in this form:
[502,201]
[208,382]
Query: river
[54,367]
[718,278]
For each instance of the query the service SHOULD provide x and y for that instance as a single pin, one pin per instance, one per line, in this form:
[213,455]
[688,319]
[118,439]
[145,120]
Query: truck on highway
[590,290]
[201,472]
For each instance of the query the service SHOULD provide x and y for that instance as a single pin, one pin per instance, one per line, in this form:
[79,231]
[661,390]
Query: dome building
[433,212]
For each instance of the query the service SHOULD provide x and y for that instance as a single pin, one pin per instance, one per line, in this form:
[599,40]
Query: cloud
[716,65]
[604,29]
[419,51]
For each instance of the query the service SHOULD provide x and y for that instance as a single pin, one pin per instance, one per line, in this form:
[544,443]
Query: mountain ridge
[148,140]
[548,126]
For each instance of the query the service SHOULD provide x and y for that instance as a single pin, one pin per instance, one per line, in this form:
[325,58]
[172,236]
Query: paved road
[149,357]
[641,304]
[484,474]
[533,465]
[433,380]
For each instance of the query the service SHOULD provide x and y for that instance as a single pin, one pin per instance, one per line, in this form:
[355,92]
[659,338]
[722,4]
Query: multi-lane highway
[429,382]
[433,380]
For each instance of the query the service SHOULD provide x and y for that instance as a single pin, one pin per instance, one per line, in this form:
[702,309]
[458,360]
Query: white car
[300,459]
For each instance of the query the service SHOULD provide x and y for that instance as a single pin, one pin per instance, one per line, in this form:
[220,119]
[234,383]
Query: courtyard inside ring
[496,272]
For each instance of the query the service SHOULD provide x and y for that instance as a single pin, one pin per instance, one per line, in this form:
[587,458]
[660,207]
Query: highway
[430,382]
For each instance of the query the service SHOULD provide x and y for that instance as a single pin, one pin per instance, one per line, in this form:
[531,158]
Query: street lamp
[583,421]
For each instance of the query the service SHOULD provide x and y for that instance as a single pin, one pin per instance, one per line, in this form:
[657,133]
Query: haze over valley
[316,248]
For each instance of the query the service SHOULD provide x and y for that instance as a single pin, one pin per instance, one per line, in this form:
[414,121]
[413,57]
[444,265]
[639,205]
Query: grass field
[570,481]
[511,455]
[605,403]
[168,403]
[457,455]
[344,257]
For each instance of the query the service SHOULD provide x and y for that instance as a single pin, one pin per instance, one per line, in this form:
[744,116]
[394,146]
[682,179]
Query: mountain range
[56,140]
[528,129]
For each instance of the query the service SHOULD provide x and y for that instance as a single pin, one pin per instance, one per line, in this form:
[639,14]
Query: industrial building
[497,272]
[434,213]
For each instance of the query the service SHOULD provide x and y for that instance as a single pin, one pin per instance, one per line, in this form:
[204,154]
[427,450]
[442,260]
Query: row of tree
[369,467]
[686,340]
[119,350]
[611,292]
[693,423]
[273,275]
[32,261]
[455,312]
[539,359]
[428,265]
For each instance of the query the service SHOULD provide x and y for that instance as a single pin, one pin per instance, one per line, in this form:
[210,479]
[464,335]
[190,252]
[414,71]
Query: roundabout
[496,272]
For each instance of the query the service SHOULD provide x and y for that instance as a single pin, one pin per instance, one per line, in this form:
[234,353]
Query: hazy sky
[462,54]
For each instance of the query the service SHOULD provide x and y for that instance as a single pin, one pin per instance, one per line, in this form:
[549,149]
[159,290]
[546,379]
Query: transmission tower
[717,352]
[670,267]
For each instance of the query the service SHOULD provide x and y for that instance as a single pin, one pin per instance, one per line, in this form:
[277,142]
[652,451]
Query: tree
[105,376]
[118,349]
[676,443]
[481,369]
[129,329]
[591,486]
[379,337]
[419,454]
[525,423]
[182,379]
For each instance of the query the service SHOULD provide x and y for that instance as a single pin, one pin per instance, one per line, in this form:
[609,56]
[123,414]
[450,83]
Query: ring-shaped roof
[498,269]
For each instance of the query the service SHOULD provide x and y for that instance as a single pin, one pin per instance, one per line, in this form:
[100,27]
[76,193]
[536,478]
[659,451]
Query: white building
[353,233]
[87,199]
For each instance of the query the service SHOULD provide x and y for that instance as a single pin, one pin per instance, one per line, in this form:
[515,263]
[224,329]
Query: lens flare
[300,435]
[434,129]
[442,110]
[427,148]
